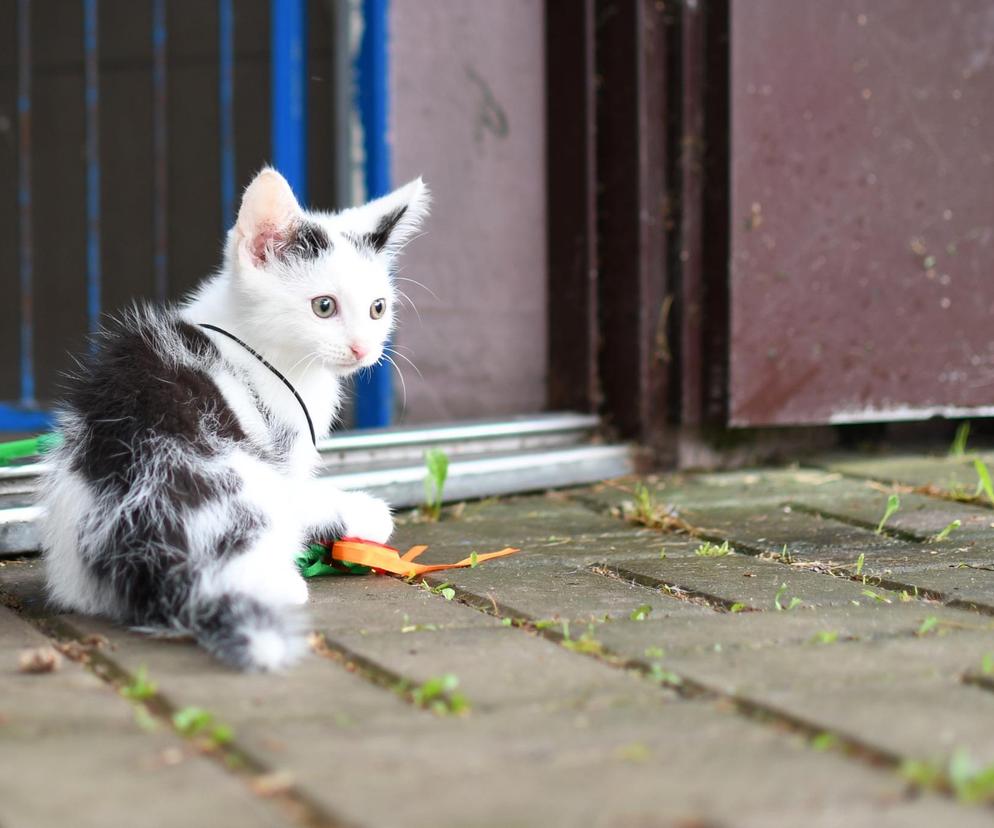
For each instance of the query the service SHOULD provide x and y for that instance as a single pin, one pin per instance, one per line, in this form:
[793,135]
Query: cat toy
[354,556]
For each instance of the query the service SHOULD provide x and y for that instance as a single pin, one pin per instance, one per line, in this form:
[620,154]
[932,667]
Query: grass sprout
[958,446]
[984,479]
[893,504]
[141,687]
[712,550]
[949,528]
[437,471]
[778,602]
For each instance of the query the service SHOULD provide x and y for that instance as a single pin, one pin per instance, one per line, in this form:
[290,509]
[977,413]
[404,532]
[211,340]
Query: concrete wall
[468,113]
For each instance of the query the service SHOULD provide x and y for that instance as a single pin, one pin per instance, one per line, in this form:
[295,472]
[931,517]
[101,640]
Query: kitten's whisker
[410,301]
[311,356]
[416,282]
[406,359]
[403,385]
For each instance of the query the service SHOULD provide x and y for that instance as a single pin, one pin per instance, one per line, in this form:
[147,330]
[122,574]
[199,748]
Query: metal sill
[487,458]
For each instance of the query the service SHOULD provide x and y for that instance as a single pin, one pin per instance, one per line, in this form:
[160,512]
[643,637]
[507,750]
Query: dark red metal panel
[862,210]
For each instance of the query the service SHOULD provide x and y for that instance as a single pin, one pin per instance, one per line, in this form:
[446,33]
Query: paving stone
[516,522]
[502,667]
[918,515]
[950,474]
[963,585]
[81,759]
[901,695]
[721,632]
[563,589]
[753,582]
[602,766]
[367,604]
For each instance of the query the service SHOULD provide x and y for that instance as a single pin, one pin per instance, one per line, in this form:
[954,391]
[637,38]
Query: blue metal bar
[90,57]
[226,95]
[374,390]
[25,242]
[17,419]
[288,31]
[160,137]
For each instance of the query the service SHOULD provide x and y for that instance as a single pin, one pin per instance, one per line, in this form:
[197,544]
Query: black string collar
[262,359]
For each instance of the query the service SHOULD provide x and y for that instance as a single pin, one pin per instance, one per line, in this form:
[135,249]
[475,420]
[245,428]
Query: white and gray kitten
[184,487]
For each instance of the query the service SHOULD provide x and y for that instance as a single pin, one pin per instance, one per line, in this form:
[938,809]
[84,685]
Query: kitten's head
[319,284]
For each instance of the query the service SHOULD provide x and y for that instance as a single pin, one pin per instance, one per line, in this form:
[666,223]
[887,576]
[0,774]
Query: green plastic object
[31,447]
[313,563]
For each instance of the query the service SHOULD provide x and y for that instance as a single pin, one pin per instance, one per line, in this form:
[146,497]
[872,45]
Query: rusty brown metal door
[862,210]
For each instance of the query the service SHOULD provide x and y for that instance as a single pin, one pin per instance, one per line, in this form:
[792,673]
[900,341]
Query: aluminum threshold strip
[397,445]
[490,476]
[403,487]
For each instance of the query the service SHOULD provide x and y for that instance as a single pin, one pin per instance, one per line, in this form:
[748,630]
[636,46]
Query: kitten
[184,486]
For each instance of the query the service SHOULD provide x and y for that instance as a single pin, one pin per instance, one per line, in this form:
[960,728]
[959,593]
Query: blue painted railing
[374,389]
[288,30]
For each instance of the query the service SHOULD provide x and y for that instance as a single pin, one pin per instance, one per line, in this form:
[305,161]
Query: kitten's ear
[268,217]
[387,223]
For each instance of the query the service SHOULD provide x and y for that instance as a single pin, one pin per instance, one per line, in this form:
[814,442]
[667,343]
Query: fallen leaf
[39,660]
[272,784]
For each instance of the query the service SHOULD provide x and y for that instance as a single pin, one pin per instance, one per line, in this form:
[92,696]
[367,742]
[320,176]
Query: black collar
[262,359]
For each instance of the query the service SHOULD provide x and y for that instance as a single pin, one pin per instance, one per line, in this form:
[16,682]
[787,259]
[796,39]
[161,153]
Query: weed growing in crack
[437,471]
[893,504]
[958,446]
[141,687]
[949,528]
[825,637]
[440,695]
[641,612]
[195,721]
[711,550]
[984,479]
[778,603]
[968,781]
[876,596]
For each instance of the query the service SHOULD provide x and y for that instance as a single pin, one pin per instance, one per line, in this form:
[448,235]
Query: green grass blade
[958,447]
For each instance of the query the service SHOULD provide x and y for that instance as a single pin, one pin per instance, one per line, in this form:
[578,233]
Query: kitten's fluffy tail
[245,633]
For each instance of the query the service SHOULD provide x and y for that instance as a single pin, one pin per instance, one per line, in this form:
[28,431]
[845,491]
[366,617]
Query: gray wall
[468,113]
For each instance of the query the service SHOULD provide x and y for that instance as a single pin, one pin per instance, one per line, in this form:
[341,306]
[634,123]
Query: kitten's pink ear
[387,223]
[267,219]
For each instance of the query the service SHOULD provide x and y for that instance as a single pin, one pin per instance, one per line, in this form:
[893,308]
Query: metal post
[226,95]
[374,389]
[159,151]
[288,32]
[92,85]
[26,243]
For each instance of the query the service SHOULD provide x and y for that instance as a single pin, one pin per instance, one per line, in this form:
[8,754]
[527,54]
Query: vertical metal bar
[226,95]
[24,201]
[346,165]
[571,193]
[92,87]
[374,389]
[159,150]
[633,208]
[288,32]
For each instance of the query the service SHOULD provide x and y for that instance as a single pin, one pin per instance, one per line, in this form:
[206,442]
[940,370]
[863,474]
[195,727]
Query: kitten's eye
[378,308]
[324,306]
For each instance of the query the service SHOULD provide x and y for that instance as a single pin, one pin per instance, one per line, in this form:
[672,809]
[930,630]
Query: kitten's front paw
[367,517]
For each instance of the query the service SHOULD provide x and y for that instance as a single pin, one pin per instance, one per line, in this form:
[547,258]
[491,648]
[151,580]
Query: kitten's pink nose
[357,350]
